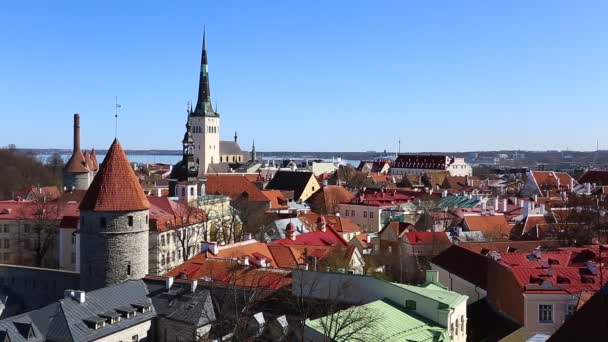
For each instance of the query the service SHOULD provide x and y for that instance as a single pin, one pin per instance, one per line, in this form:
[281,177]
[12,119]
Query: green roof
[447,299]
[381,320]
[458,202]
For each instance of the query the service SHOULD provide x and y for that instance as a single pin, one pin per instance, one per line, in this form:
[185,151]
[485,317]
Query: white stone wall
[206,143]
[366,217]
[135,333]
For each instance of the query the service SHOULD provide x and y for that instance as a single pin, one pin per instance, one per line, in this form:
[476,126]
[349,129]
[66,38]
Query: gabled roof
[115,187]
[466,264]
[338,223]
[291,180]
[327,198]
[276,198]
[594,177]
[235,186]
[488,224]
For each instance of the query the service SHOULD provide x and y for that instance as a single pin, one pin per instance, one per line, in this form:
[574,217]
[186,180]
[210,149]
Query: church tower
[183,178]
[204,121]
[114,216]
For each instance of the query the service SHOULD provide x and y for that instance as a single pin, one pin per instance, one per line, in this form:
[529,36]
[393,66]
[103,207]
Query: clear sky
[309,75]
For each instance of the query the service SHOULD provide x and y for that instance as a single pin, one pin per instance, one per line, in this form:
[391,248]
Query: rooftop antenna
[116,107]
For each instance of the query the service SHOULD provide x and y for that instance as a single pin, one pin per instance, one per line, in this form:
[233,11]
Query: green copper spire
[203,104]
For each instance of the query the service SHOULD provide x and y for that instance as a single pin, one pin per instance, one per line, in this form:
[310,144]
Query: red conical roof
[77,163]
[115,187]
[94,160]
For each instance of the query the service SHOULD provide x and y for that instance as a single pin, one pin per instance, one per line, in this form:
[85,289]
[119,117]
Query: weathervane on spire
[116,107]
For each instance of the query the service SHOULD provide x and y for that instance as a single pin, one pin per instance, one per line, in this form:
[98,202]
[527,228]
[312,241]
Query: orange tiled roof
[234,186]
[276,198]
[488,224]
[77,162]
[338,223]
[115,187]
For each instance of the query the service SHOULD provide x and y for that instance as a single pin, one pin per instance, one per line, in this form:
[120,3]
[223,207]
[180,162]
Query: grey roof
[66,319]
[290,180]
[230,147]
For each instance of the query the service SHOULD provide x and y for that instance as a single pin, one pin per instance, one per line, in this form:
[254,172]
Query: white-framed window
[365,214]
[371,214]
[346,213]
[390,249]
[545,313]
[352,213]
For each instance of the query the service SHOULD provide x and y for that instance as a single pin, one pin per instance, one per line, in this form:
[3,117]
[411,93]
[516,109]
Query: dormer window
[126,311]
[143,307]
[95,322]
[111,317]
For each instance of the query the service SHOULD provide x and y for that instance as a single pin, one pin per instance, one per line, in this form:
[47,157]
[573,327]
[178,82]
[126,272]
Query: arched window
[192,191]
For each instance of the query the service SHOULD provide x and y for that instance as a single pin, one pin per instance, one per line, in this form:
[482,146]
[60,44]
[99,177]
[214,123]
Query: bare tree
[189,229]
[40,226]
[351,178]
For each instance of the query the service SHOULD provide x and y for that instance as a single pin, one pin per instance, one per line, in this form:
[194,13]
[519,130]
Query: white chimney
[193,285]
[504,205]
[247,236]
[496,207]
[368,239]
[79,296]
[246,261]
[169,282]
[542,209]
[537,252]
[535,198]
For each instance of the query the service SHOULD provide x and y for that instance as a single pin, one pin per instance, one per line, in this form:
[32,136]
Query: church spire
[203,105]
[254,156]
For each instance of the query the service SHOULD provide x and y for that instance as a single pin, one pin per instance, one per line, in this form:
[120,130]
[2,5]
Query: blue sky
[309,75]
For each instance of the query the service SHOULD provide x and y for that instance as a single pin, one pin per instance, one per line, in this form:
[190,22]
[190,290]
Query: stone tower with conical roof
[205,121]
[114,228]
[76,173]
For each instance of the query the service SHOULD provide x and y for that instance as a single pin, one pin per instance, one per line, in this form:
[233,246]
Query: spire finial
[204,35]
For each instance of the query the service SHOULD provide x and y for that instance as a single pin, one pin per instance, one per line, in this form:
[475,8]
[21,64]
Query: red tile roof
[594,177]
[235,186]
[30,210]
[166,214]
[327,198]
[328,238]
[561,271]
[230,272]
[77,163]
[115,187]
[94,162]
[338,223]
[381,199]
[276,198]
[427,238]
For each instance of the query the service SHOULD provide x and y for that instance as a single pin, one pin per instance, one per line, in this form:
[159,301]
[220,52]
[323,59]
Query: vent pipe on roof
[169,282]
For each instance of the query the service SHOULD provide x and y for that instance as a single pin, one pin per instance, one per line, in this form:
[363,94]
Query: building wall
[166,251]
[459,168]
[116,253]
[30,288]
[560,304]
[139,332]
[168,330]
[366,217]
[67,253]
[457,284]
[231,158]
[310,189]
[320,168]
[504,292]
[206,143]
[80,181]
[17,239]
